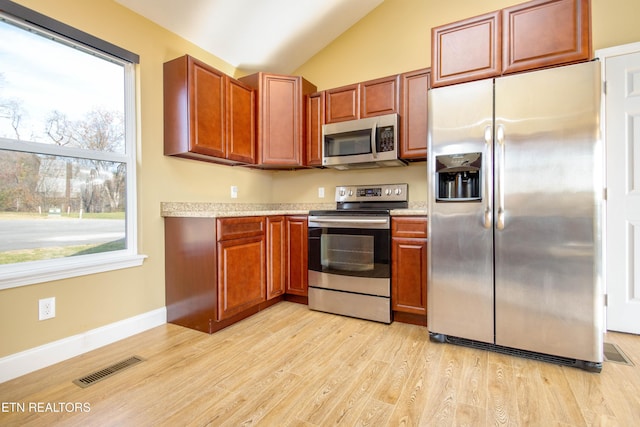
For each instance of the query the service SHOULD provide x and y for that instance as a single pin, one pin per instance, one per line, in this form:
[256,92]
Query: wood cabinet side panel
[466,50]
[190,272]
[176,106]
[542,33]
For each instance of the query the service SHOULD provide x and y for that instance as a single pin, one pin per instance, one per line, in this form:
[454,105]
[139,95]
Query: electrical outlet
[321,192]
[234,192]
[47,308]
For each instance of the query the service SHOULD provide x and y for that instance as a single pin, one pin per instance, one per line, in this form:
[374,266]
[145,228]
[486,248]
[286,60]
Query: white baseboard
[22,363]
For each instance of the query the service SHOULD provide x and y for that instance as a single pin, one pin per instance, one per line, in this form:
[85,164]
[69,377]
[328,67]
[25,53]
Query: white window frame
[31,272]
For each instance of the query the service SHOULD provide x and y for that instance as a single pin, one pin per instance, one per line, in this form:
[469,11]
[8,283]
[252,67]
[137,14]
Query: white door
[621,71]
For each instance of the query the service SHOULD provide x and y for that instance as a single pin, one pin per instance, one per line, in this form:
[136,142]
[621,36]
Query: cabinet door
[297,255]
[315,120]
[241,144]
[342,103]
[467,50]
[207,89]
[413,132]
[194,104]
[380,96]
[541,33]
[241,278]
[409,265]
[276,256]
[281,129]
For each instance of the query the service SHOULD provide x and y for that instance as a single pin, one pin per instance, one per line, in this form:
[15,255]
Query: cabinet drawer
[412,226]
[234,228]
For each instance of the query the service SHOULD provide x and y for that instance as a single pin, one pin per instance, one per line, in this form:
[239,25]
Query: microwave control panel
[385,140]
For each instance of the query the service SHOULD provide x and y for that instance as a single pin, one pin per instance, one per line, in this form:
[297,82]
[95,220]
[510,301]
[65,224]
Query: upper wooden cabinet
[366,99]
[466,50]
[280,124]
[542,32]
[531,35]
[207,115]
[342,103]
[413,114]
[380,96]
[314,122]
[241,141]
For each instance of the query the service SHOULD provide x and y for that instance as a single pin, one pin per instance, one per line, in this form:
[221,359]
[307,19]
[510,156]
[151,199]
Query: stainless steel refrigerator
[515,198]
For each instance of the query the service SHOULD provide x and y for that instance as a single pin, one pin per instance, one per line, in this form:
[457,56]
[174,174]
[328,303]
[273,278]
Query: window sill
[29,273]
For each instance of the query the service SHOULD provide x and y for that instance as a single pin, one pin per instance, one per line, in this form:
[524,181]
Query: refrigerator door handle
[500,175]
[488,197]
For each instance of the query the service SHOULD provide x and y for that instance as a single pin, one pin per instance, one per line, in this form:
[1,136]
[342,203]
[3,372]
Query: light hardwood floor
[288,365]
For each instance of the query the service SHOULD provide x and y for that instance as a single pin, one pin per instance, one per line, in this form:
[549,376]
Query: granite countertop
[221,210]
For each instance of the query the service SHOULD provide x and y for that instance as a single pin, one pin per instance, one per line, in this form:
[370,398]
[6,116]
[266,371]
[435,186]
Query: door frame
[602,55]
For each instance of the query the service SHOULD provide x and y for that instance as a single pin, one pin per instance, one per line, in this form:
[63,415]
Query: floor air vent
[93,378]
[612,353]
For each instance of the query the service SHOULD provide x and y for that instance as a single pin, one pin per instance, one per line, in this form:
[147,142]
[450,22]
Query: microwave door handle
[373,140]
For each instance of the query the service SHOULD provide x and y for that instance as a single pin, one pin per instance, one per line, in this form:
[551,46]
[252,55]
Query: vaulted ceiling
[257,35]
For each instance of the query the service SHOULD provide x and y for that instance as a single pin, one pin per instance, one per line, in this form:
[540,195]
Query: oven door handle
[352,221]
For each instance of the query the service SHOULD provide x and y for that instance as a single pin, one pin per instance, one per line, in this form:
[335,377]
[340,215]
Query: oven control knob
[398,191]
[350,193]
[387,192]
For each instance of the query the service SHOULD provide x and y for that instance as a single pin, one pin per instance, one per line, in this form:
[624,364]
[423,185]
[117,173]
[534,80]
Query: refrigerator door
[548,292]
[460,244]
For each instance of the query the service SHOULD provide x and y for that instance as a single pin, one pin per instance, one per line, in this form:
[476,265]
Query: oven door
[350,254]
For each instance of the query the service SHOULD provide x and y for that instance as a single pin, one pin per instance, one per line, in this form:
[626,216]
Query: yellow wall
[88,302]
[391,39]
[396,37]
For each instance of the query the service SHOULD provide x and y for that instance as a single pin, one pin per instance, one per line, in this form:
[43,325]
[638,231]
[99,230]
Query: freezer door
[548,160]
[460,244]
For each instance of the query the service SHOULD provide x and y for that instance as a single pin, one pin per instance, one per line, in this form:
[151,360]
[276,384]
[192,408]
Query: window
[67,151]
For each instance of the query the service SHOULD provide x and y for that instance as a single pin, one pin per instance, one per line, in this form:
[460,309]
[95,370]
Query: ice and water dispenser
[458,177]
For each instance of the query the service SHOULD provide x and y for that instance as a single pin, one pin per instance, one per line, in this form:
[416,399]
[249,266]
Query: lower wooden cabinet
[276,256]
[409,269]
[241,278]
[219,271]
[297,257]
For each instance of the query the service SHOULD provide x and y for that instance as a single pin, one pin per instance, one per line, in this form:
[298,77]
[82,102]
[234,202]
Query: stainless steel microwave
[363,143]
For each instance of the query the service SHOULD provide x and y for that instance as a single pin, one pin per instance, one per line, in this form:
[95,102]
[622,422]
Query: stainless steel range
[350,252]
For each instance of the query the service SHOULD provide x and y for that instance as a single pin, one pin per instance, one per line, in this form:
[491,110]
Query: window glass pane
[55,207]
[56,93]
